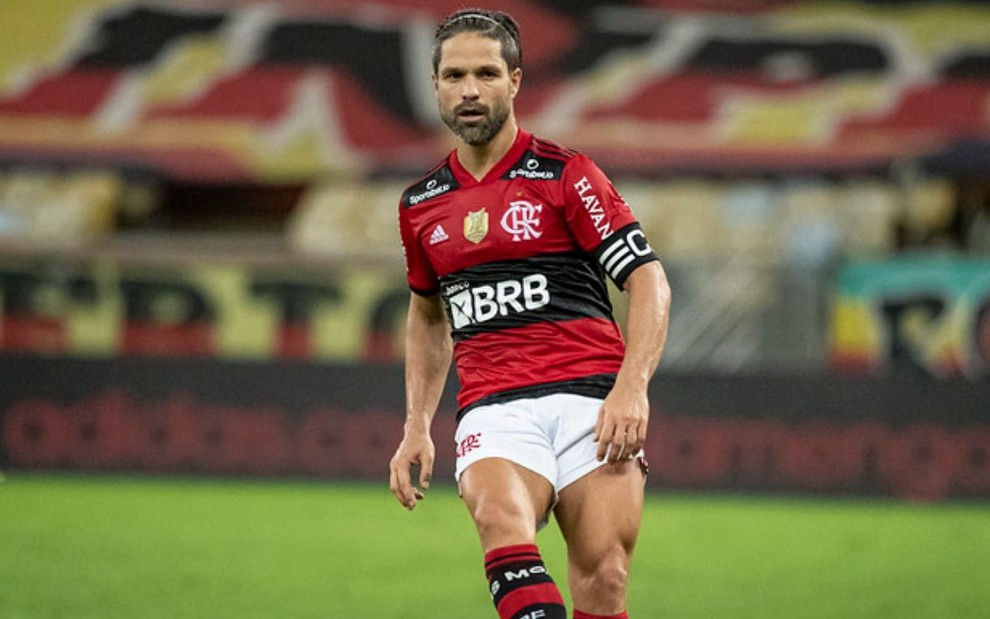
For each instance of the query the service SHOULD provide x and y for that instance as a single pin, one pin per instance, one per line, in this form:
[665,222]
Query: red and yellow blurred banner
[280,91]
[234,312]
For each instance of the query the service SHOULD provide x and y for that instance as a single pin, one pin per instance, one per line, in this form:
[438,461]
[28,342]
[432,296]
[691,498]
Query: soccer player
[508,242]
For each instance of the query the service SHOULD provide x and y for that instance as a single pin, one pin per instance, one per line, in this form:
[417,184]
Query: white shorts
[553,435]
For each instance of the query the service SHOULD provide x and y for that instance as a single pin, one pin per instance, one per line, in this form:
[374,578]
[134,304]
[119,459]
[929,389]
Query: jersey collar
[465,179]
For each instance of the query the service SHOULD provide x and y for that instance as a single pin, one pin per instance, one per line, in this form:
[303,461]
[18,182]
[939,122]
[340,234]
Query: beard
[482,133]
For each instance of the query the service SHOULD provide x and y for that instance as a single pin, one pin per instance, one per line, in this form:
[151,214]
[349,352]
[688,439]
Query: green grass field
[79,547]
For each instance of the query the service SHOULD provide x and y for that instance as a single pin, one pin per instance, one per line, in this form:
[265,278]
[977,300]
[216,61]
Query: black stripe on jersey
[546,147]
[535,168]
[623,251]
[595,386]
[437,182]
[515,293]
[423,292]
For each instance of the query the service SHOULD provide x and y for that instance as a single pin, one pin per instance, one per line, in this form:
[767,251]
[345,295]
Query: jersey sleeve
[602,222]
[419,273]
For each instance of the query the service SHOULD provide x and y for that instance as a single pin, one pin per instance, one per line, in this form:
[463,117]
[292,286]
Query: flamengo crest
[476,226]
[521,220]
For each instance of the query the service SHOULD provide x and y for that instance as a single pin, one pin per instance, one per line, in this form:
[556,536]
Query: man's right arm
[428,356]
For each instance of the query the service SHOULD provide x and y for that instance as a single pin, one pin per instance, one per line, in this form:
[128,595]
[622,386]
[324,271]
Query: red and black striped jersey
[519,259]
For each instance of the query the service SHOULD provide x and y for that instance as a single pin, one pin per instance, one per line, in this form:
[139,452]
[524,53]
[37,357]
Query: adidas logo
[439,235]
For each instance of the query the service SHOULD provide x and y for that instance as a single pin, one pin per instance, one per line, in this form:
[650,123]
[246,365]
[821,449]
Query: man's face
[474,87]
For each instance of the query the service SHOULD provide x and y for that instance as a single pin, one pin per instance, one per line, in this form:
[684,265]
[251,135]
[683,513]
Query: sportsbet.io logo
[469,305]
[433,189]
[531,171]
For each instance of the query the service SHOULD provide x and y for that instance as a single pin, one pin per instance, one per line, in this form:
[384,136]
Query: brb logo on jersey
[522,219]
[470,305]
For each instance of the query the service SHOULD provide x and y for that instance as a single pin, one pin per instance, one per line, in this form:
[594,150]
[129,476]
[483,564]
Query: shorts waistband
[595,386]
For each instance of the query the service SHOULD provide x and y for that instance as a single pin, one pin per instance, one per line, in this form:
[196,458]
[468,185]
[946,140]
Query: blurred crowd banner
[269,90]
[925,314]
[908,437]
[108,307]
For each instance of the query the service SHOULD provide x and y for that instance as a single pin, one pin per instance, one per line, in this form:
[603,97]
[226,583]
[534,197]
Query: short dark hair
[495,25]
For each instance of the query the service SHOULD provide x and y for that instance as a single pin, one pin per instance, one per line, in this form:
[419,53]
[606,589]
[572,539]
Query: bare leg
[506,501]
[599,516]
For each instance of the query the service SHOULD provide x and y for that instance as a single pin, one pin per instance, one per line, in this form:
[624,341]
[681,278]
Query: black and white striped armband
[623,251]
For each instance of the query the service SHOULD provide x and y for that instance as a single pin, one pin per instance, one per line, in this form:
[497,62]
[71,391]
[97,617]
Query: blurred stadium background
[200,272]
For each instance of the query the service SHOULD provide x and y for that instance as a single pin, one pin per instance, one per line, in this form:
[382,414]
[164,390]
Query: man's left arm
[623,418]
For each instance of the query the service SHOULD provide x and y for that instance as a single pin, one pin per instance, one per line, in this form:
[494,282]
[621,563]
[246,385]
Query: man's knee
[498,523]
[604,575]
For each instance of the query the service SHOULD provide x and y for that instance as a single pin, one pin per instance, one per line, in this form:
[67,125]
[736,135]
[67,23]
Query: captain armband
[623,251]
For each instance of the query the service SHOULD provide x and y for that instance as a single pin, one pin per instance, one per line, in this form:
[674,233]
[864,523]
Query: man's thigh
[601,511]
[507,502]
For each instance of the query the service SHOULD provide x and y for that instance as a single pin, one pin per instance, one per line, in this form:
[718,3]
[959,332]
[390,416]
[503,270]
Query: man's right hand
[416,449]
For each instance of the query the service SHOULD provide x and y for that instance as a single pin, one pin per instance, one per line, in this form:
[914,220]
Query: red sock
[520,585]
[579,615]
